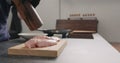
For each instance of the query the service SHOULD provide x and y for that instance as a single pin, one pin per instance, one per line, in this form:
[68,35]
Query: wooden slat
[90,25]
[83,31]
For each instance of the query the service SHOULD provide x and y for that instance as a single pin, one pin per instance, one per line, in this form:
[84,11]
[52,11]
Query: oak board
[52,51]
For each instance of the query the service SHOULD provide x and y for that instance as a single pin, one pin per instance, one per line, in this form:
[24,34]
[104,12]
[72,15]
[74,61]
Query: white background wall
[107,12]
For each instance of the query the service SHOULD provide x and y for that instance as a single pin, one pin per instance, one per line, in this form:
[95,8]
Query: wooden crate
[52,51]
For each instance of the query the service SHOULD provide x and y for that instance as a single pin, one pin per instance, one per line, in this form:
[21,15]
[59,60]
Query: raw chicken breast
[41,41]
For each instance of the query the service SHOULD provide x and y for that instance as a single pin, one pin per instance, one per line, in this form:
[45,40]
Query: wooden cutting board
[52,51]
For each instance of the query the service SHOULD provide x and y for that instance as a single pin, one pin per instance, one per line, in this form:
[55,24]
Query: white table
[96,50]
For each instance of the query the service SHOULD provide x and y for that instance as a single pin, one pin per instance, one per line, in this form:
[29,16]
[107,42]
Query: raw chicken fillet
[41,41]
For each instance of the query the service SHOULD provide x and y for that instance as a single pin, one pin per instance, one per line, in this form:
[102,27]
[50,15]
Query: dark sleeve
[35,2]
[9,1]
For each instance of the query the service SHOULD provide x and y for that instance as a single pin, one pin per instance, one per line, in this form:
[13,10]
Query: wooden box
[52,51]
[80,28]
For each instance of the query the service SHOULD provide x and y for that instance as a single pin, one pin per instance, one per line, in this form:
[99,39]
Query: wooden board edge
[43,53]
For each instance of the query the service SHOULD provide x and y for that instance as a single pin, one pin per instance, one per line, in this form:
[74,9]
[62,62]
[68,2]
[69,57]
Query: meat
[41,41]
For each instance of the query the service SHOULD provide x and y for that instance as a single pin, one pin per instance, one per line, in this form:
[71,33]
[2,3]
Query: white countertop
[96,50]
